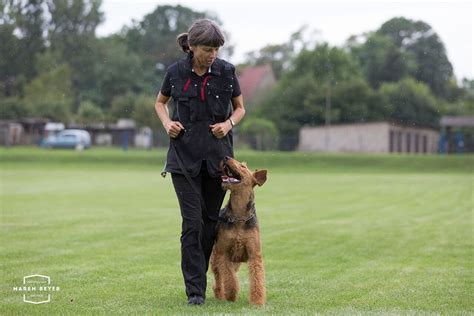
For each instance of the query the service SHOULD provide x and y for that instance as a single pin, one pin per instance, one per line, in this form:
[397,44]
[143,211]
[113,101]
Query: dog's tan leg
[257,291]
[231,283]
[257,281]
[216,265]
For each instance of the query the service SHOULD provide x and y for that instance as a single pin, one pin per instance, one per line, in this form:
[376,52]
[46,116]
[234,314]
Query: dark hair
[202,32]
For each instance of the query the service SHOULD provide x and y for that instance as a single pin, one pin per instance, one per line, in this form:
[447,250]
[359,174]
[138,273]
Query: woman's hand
[173,128]
[221,129]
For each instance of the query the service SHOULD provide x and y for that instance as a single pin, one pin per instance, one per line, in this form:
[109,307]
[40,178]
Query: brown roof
[251,78]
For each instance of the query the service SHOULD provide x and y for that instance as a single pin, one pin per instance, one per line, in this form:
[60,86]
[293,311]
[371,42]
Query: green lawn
[341,234]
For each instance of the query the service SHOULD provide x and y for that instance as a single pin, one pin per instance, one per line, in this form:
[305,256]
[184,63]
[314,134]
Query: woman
[207,105]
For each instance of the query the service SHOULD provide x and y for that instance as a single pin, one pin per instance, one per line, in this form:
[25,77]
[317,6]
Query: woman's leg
[213,197]
[193,261]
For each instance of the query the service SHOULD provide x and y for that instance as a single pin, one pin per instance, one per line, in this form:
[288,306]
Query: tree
[122,106]
[21,40]
[30,24]
[350,101]
[117,71]
[280,56]
[260,133]
[419,39]
[64,27]
[144,115]
[301,95]
[50,94]
[13,108]
[89,112]
[463,104]
[10,67]
[404,48]
[144,112]
[380,59]
[154,39]
[409,102]
[71,32]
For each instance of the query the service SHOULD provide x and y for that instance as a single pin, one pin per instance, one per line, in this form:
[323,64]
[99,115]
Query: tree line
[398,73]
[53,65]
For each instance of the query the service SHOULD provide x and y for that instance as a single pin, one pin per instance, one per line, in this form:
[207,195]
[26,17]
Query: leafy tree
[462,104]
[13,108]
[122,106]
[419,39]
[117,71]
[409,102]
[301,95]
[50,94]
[260,133]
[10,67]
[280,56]
[12,50]
[350,101]
[380,59]
[71,32]
[153,39]
[89,112]
[402,47]
[30,24]
[144,112]
[144,115]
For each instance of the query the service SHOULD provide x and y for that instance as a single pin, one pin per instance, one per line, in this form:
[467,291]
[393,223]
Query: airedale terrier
[238,236]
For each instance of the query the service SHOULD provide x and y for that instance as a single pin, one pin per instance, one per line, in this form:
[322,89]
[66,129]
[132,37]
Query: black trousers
[198,226]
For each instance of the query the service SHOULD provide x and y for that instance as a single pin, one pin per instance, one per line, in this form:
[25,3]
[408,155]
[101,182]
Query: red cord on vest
[203,86]
[186,85]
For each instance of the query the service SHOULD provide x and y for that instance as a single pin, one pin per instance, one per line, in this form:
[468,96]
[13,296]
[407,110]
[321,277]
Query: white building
[380,137]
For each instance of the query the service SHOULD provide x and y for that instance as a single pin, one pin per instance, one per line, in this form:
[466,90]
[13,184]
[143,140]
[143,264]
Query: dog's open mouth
[229,175]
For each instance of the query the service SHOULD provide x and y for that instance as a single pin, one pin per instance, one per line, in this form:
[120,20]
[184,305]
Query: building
[457,134]
[380,137]
[255,81]
[24,131]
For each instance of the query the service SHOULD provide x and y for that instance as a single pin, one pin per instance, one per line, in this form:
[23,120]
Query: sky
[252,24]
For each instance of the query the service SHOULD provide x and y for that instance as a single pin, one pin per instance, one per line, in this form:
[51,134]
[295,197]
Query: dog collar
[235,219]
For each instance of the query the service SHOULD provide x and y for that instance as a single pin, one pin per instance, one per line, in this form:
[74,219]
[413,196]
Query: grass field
[341,234]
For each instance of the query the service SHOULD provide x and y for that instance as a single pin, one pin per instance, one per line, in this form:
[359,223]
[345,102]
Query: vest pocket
[183,95]
[220,101]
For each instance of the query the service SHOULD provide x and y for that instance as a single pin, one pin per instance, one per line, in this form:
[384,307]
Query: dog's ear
[260,177]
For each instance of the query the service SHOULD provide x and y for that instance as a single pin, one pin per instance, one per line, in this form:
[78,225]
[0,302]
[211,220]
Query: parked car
[69,138]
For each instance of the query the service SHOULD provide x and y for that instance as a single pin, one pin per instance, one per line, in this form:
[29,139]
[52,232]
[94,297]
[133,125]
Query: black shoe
[196,300]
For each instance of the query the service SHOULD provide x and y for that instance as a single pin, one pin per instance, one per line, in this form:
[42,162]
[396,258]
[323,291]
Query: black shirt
[166,86]
[200,101]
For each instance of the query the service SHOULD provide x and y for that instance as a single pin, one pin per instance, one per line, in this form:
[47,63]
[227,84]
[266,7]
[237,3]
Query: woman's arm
[239,110]
[173,128]
[221,129]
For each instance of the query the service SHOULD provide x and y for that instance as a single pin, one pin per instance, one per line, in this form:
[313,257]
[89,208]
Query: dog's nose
[226,158]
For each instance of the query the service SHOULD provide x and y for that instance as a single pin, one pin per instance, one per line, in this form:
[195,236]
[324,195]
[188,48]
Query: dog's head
[237,175]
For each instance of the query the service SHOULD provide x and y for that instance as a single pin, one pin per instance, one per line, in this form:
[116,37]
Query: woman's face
[204,56]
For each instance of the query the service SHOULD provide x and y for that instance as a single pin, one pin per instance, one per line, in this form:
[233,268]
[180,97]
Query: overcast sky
[253,24]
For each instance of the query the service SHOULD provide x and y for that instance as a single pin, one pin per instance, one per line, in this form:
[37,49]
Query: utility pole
[328,114]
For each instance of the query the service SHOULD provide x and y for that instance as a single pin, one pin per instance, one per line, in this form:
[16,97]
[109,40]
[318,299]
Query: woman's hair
[202,32]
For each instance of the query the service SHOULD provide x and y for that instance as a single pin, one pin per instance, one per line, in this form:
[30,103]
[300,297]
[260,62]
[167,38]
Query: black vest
[198,103]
